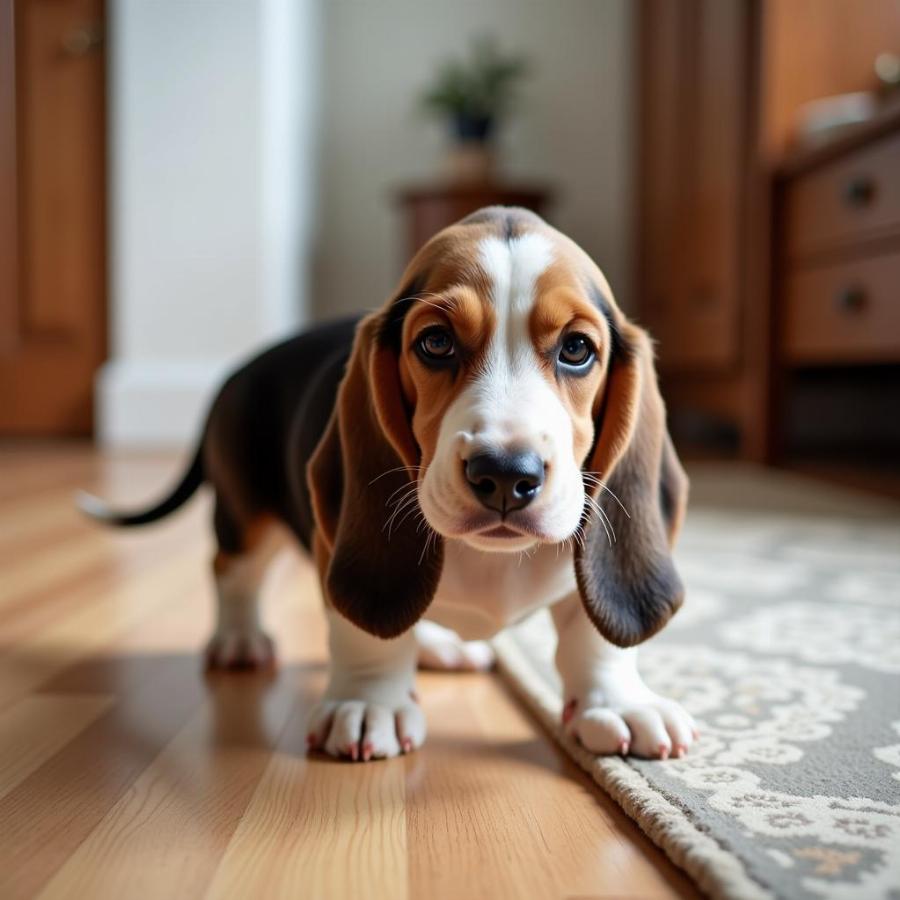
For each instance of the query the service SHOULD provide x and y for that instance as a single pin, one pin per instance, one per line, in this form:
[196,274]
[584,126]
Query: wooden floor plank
[320,828]
[164,837]
[27,469]
[37,727]
[60,804]
[91,624]
[53,567]
[41,520]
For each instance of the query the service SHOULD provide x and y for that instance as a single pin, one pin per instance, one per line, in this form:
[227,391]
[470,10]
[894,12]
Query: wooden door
[694,77]
[52,214]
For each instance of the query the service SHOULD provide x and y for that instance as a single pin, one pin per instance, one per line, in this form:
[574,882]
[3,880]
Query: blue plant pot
[473,128]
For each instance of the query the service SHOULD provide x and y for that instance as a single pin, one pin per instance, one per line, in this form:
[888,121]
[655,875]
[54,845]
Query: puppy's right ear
[382,570]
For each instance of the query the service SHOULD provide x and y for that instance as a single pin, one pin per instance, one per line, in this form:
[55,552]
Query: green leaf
[484,85]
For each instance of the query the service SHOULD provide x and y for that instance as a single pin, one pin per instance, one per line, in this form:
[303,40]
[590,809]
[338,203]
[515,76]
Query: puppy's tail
[95,508]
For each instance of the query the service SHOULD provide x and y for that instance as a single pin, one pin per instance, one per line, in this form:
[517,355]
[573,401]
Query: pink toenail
[406,744]
[624,747]
[354,752]
[680,750]
[368,749]
[663,751]
[569,711]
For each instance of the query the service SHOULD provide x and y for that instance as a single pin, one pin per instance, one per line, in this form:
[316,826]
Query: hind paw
[444,650]
[240,650]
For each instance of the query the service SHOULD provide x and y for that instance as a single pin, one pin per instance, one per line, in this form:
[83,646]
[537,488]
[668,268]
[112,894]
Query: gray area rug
[787,651]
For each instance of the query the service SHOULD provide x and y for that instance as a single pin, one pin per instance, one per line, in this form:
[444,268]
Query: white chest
[481,593]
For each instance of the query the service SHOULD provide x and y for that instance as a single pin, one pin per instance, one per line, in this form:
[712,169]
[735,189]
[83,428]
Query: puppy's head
[501,399]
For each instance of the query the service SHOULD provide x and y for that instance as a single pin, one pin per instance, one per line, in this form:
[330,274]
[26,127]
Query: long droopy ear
[380,573]
[624,570]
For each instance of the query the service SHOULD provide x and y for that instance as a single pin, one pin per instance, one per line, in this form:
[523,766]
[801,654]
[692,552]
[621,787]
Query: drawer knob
[851,299]
[859,191]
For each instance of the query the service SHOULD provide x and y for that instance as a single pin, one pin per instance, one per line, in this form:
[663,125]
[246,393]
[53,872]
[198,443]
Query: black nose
[505,481]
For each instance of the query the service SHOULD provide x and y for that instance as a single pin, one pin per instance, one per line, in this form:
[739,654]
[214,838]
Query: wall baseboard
[148,404]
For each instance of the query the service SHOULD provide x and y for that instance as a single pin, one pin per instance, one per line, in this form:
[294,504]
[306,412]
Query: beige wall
[572,130]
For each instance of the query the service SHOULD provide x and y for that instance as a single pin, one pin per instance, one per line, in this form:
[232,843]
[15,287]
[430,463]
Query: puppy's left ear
[624,569]
[382,570]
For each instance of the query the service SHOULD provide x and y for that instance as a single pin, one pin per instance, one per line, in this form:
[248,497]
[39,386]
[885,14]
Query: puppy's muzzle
[505,481]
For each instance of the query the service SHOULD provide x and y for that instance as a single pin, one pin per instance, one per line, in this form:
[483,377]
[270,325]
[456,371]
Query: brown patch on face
[456,297]
[562,308]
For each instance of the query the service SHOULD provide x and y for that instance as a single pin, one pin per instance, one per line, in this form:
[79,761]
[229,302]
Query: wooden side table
[429,208]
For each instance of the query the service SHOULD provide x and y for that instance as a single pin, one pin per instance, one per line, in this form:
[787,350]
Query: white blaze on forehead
[513,268]
[509,399]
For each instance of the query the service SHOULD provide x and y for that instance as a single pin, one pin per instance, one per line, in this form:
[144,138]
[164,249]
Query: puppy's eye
[577,351]
[436,344]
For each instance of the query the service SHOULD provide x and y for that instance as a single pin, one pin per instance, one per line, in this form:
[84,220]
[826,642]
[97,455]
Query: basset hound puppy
[490,441]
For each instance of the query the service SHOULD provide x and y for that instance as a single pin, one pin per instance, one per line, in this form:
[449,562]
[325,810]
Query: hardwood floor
[127,773]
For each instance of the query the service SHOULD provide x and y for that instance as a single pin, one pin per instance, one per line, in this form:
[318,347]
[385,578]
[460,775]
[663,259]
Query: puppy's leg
[238,641]
[607,705]
[443,649]
[370,708]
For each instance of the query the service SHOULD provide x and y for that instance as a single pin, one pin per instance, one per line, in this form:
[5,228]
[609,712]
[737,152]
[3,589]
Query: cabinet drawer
[848,312]
[845,201]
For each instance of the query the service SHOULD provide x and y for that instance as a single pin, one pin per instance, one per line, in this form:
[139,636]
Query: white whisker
[407,489]
[431,536]
[604,518]
[410,509]
[404,502]
[397,469]
[594,478]
[403,487]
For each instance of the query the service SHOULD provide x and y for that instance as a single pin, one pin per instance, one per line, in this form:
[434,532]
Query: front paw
[649,726]
[361,730]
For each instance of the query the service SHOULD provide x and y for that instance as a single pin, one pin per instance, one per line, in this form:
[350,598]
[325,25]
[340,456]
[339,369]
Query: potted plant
[472,94]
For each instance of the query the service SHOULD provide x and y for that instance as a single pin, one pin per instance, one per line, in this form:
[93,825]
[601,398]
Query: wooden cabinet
[836,286]
[719,86]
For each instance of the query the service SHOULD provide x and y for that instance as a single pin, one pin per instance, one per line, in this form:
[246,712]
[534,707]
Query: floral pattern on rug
[790,664]
[829,634]
[750,709]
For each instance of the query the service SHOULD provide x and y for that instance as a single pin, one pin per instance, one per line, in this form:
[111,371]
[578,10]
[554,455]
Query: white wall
[212,151]
[573,129]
